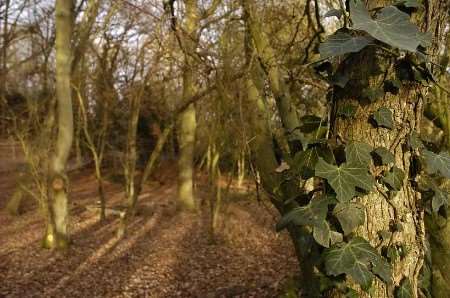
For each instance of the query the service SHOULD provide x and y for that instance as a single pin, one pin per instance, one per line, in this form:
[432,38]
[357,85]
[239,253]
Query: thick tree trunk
[405,208]
[57,233]
[401,212]
[187,119]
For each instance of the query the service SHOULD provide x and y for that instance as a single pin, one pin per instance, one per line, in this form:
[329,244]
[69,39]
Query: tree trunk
[405,207]
[269,63]
[130,163]
[187,120]
[57,234]
[401,212]
[263,156]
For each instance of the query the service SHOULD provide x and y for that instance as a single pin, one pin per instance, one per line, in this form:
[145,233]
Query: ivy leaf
[383,270]
[391,26]
[336,237]
[440,199]
[408,3]
[339,79]
[384,118]
[345,178]
[425,38]
[353,258]
[347,111]
[334,13]
[322,234]
[394,178]
[437,162]
[342,43]
[304,162]
[311,123]
[349,215]
[282,167]
[385,155]
[372,94]
[358,153]
[440,196]
[392,86]
[384,234]
[404,290]
[414,141]
[312,214]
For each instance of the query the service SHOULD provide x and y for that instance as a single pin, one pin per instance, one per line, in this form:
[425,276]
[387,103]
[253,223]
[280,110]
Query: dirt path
[164,255]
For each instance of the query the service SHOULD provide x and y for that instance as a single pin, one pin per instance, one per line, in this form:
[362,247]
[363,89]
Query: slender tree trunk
[57,233]
[97,152]
[4,56]
[150,165]
[130,164]
[187,119]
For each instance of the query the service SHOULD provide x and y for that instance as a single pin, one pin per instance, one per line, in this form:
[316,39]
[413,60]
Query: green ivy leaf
[347,111]
[353,258]
[404,290]
[408,3]
[313,214]
[385,155]
[414,141]
[392,86]
[383,270]
[311,123]
[339,79]
[391,26]
[394,178]
[392,254]
[304,162]
[425,38]
[345,178]
[440,196]
[342,43]
[372,94]
[358,153]
[334,13]
[322,234]
[336,237]
[437,162]
[384,234]
[384,117]
[349,215]
[282,167]
[440,199]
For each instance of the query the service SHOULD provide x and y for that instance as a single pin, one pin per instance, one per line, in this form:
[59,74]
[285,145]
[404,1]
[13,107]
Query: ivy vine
[333,212]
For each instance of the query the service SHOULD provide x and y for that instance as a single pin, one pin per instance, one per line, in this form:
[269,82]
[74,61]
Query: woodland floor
[165,254]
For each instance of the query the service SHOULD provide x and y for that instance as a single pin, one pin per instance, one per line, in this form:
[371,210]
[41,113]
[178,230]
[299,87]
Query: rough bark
[57,233]
[405,207]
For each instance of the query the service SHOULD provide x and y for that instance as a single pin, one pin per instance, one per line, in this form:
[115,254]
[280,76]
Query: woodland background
[144,142]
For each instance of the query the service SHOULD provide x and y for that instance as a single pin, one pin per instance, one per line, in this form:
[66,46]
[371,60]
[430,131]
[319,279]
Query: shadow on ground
[165,253]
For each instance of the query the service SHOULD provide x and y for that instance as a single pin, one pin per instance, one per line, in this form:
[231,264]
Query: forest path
[165,254]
